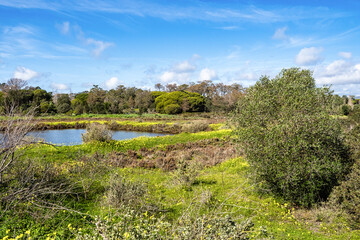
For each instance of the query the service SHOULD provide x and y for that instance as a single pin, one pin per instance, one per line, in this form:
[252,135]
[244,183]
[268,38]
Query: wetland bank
[203,179]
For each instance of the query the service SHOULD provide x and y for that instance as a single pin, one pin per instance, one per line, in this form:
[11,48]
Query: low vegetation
[285,167]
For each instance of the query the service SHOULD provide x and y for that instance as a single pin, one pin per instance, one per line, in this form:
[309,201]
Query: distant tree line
[204,96]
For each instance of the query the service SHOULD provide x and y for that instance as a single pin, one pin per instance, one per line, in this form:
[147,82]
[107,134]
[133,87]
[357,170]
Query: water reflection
[73,136]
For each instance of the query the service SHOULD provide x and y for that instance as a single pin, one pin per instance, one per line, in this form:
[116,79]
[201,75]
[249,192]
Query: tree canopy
[179,101]
[292,143]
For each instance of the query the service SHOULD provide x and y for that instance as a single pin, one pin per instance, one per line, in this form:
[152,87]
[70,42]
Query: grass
[94,116]
[224,189]
[229,188]
[132,123]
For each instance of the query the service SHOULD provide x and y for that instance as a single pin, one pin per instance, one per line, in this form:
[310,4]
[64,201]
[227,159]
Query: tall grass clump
[196,126]
[293,145]
[96,132]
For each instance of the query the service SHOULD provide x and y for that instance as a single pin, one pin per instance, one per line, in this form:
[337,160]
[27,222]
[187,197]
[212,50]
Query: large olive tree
[292,143]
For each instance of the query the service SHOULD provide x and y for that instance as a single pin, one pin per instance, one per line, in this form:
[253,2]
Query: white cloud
[280,34]
[25,73]
[64,28]
[179,73]
[195,57]
[249,76]
[59,86]
[174,77]
[100,46]
[336,67]
[168,76]
[339,72]
[308,56]
[19,30]
[229,28]
[112,83]
[346,55]
[184,67]
[246,76]
[207,74]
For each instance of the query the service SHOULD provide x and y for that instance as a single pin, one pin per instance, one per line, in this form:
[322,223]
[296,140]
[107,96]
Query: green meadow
[154,202]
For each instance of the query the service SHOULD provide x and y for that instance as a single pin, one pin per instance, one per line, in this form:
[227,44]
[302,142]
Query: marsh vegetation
[284,166]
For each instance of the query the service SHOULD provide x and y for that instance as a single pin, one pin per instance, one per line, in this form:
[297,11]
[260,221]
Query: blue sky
[68,46]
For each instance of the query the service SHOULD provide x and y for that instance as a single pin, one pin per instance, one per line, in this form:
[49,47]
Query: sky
[68,46]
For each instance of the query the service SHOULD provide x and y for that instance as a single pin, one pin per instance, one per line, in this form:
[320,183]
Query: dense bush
[96,132]
[63,103]
[355,114]
[294,147]
[179,101]
[346,196]
[172,109]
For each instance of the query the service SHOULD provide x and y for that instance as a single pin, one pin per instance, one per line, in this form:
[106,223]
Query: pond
[73,136]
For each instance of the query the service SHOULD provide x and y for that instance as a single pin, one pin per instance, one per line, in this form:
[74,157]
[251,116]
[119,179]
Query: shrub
[347,195]
[96,132]
[30,186]
[172,109]
[186,172]
[355,114]
[292,144]
[122,192]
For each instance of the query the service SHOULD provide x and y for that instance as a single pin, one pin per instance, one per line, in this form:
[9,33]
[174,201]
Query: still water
[73,136]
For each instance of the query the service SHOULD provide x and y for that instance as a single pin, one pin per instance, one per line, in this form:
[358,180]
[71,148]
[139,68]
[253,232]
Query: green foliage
[97,132]
[186,172]
[96,100]
[20,98]
[345,109]
[355,114]
[47,107]
[172,109]
[179,101]
[156,94]
[294,147]
[79,104]
[346,196]
[203,96]
[129,224]
[213,227]
[63,104]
